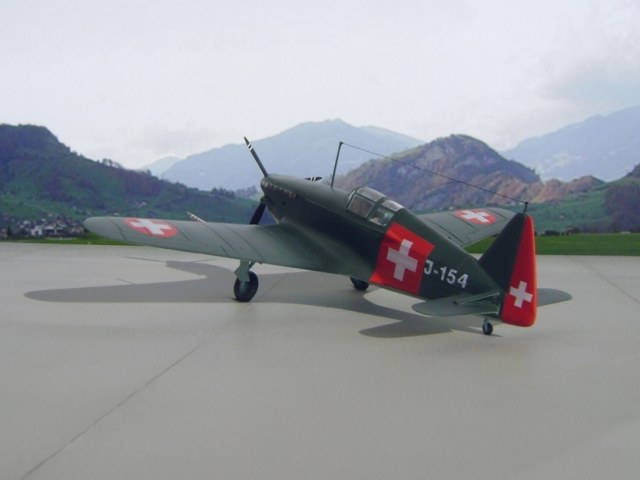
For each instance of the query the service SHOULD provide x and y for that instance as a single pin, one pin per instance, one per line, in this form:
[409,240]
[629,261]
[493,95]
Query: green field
[86,239]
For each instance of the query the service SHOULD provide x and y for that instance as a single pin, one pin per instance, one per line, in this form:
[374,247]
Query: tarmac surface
[132,362]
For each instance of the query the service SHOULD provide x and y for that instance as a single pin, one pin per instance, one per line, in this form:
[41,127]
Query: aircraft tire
[245,291]
[359,284]
[487,328]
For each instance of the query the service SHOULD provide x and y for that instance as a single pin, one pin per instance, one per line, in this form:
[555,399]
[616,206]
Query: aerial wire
[453,180]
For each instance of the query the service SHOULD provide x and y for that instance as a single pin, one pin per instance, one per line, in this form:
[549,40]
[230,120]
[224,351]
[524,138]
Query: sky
[138,80]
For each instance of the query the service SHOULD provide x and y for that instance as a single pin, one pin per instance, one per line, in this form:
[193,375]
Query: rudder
[511,262]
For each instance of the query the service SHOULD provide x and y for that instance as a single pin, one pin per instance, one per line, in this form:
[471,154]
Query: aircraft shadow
[299,287]
[202,290]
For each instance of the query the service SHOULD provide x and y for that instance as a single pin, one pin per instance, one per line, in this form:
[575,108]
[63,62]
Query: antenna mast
[335,165]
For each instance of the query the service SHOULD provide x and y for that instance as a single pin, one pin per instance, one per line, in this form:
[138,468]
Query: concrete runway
[132,362]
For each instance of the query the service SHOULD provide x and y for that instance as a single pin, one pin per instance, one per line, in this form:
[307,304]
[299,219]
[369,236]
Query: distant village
[51,227]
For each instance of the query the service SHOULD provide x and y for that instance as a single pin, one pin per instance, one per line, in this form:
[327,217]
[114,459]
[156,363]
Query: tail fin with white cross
[511,262]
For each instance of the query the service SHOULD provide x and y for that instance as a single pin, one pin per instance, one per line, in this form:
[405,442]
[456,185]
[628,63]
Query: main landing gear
[487,327]
[246,284]
[245,291]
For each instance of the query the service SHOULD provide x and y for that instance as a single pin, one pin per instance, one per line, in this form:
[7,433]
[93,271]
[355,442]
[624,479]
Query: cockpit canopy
[372,205]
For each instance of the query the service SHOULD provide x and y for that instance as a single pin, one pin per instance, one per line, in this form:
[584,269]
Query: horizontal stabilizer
[454,306]
[547,296]
[466,305]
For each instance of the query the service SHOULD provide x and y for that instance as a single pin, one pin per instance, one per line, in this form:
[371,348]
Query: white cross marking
[402,260]
[479,216]
[521,295]
[154,228]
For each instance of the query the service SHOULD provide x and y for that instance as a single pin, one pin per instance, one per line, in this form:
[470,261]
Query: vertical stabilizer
[511,262]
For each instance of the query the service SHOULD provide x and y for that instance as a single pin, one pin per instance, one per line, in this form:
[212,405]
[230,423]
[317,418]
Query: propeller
[257,215]
[255,157]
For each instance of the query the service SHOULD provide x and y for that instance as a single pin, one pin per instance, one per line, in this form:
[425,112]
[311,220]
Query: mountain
[622,199]
[160,166]
[409,178]
[604,146]
[40,177]
[608,207]
[308,149]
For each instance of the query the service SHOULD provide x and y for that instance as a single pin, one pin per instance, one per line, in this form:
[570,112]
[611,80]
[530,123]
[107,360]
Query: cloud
[138,148]
[135,81]
[597,63]
[178,141]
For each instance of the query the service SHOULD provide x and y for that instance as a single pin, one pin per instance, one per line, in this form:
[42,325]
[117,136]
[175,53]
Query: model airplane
[372,239]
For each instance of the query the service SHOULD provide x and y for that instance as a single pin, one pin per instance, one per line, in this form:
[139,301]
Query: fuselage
[403,252]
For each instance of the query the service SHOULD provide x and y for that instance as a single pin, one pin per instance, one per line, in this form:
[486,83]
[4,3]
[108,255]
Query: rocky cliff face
[555,190]
[438,175]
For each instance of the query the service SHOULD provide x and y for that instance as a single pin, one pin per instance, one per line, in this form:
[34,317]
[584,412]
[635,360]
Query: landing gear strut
[246,284]
[487,327]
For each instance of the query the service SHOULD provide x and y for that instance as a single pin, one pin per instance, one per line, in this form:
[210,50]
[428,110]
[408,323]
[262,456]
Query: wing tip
[104,227]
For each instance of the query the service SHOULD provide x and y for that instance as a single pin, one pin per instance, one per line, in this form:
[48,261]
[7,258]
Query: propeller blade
[255,157]
[257,215]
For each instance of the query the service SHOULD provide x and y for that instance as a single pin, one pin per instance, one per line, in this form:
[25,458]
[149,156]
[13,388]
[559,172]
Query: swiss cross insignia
[401,259]
[476,216]
[153,228]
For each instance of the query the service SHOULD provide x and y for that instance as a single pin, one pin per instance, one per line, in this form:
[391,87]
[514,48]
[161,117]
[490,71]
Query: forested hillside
[41,177]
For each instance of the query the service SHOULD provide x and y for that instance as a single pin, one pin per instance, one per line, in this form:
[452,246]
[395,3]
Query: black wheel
[487,328]
[359,284]
[244,291]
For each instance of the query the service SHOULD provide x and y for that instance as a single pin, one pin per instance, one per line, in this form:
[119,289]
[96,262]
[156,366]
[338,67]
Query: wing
[283,244]
[465,227]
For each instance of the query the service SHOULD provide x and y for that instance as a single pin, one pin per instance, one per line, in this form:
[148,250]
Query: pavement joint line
[129,397]
[602,276]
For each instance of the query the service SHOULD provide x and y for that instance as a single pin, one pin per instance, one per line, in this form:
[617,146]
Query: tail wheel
[245,291]
[487,328]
